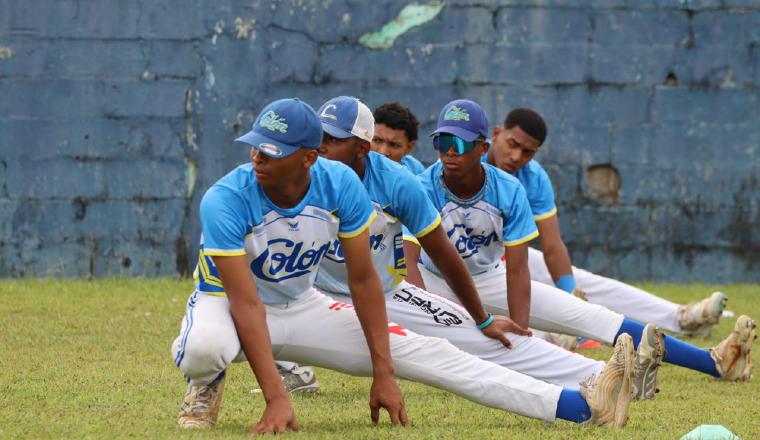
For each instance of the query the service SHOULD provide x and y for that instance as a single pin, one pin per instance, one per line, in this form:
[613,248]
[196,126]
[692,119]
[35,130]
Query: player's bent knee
[205,350]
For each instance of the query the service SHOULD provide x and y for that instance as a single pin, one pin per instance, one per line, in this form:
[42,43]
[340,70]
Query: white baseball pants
[317,330]
[431,315]
[632,302]
[551,309]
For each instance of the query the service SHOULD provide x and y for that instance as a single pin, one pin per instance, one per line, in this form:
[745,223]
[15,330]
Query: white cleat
[648,360]
[696,319]
[200,408]
[608,394]
[299,379]
[732,355]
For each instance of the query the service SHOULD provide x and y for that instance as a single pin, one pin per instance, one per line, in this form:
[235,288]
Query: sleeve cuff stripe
[360,230]
[430,228]
[522,240]
[544,216]
[411,240]
[224,252]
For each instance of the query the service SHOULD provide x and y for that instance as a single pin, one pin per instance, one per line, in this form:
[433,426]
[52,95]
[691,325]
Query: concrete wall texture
[116,116]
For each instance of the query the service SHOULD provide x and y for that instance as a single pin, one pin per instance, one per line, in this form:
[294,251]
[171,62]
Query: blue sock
[633,328]
[566,283]
[677,352]
[572,406]
[686,355]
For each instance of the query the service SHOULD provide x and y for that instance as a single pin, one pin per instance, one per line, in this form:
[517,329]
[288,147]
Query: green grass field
[91,359]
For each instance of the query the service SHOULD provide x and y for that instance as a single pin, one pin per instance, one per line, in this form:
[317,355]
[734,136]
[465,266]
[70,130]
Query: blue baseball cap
[345,116]
[463,118]
[283,127]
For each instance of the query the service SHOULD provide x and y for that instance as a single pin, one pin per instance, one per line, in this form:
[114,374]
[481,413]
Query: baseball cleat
[648,360]
[732,355]
[299,379]
[696,319]
[200,408]
[608,394]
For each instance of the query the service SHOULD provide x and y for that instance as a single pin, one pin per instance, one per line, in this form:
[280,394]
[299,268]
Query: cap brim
[457,131]
[266,145]
[336,132]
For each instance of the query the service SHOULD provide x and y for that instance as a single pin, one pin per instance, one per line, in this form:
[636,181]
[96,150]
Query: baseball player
[514,146]
[266,226]
[396,135]
[479,203]
[399,199]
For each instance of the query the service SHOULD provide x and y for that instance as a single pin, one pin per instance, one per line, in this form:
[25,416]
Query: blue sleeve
[541,196]
[412,164]
[223,223]
[413,207]
[519,226]
[355,210]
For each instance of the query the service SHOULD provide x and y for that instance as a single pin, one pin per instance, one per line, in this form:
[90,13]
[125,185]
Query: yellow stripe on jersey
[522,240]
[430,228]
[224,253]
[206,272]
[411,240]
[549,214]
[360,230]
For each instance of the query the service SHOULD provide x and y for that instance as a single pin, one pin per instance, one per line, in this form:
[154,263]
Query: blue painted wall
[116,116]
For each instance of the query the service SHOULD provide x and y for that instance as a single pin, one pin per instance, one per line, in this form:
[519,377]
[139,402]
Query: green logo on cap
[456,114]
[273,122]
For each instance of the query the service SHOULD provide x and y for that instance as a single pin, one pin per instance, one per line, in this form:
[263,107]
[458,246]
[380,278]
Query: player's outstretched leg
[729,360]
[637,304]
[732,355]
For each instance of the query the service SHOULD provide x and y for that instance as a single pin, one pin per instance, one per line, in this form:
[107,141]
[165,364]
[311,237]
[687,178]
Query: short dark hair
[397,117]
[529,121]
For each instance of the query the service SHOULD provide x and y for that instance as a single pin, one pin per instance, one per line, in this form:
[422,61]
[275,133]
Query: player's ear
[496,131]
[411,146]
[363,150]
[310,157]
[252,154]
[485,146]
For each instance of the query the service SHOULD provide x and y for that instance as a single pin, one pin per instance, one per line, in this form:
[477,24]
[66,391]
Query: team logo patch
[272,150]
[324,113]
[456,114]
[273,122]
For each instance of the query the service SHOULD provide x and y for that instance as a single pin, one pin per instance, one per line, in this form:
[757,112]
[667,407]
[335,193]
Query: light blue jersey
[499,215]
[398,199]
[412,164]
[283,246]
[538,188]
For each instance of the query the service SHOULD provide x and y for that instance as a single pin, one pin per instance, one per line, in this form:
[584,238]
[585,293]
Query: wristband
[485,323]
[566,283]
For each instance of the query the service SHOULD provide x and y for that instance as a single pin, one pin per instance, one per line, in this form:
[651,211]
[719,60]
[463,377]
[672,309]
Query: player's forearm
[557,259]
[369,303]
[458,277]
[251,326]
[518,296]
[412,258]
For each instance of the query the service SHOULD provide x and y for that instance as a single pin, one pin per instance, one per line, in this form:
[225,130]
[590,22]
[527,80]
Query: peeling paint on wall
[244,28]
[411,16]
[5,52]
[191,175]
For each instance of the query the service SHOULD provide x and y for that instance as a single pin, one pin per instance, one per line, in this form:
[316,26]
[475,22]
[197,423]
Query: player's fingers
[293,425]
[394,411]
[374,413]
[505,341]
[404,417]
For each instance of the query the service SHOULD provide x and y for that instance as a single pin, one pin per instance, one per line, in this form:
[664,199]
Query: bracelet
[485,323]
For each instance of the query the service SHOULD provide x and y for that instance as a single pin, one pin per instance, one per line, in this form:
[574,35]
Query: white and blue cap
[463,118]
[283,127]
[345,116]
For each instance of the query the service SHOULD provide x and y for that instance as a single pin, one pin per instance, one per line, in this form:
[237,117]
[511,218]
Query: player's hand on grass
[502,325]
[279,417]
[385,393]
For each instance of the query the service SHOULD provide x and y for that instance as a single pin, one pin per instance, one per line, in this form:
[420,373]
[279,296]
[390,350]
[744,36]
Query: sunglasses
[444,142]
